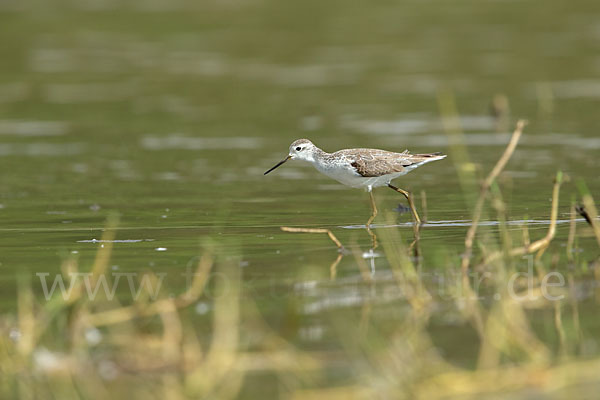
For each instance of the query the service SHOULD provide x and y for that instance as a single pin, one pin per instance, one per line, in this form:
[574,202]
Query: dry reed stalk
[315,230]
[570,278]
[404,271]
[526,237]
[127,313]
[500,206]
[216,375]
[559,328]
[27,319]
[541,244]
[544,380]
[590,208]
[572,231]
[508,331]
[34,324]
[424,210]
[485,187]
[472,307]
[333,266]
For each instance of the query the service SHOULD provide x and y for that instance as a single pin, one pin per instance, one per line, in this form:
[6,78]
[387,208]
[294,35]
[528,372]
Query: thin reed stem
[485,187]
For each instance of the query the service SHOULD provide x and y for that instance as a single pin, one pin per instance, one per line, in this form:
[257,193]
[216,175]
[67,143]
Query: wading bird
[361,168]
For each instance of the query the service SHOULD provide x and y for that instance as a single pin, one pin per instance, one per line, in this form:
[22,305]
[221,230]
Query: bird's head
[301,149]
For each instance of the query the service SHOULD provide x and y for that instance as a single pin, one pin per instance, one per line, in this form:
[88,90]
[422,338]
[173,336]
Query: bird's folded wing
[378,163]
[379,167]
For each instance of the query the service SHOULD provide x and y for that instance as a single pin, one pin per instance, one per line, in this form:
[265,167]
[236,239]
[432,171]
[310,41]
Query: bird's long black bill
[278,164]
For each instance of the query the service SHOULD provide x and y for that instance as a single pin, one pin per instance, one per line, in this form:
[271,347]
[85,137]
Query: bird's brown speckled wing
[373,163]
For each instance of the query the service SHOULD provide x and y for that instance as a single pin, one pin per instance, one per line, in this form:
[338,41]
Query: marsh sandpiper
[361,168]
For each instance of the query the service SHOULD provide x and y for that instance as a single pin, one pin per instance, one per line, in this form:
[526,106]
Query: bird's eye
[298,148]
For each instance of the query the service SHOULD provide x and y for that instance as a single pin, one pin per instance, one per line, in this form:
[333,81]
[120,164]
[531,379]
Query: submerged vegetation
[211,340]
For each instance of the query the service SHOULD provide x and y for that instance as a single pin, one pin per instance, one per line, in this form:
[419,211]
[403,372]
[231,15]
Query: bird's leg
[414,246]
[373,207]
[408,196]
[373,215]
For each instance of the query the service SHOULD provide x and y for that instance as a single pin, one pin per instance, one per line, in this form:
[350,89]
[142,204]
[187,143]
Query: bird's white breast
[346,174]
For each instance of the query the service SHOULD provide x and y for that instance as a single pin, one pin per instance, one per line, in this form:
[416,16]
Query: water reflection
[14,92]
[41,149]
[33,128]
[180,142]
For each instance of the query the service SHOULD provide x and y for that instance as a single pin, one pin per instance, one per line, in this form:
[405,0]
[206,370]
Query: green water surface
[168,113]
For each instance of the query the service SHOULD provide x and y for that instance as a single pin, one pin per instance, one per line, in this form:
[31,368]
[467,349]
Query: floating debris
[580,208]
